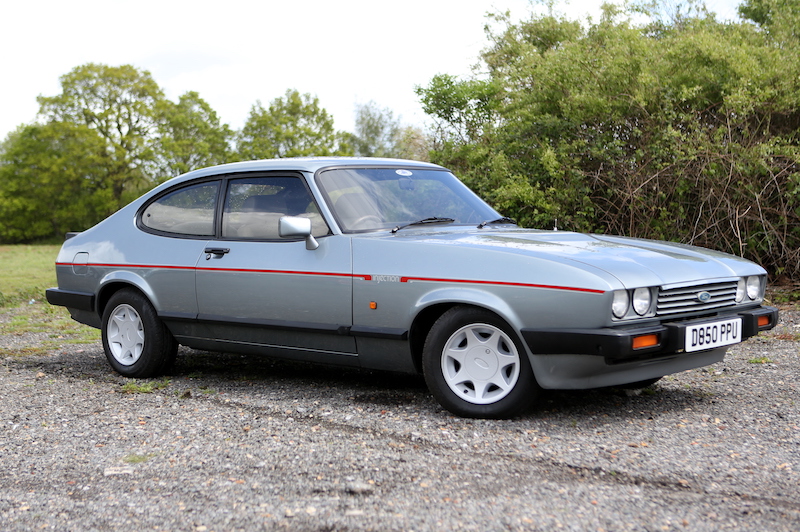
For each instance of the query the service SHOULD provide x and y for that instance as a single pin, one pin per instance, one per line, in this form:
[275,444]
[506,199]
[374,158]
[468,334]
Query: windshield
[370,199]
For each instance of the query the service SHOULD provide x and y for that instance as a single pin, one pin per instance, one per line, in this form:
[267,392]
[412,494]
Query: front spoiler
[616,345]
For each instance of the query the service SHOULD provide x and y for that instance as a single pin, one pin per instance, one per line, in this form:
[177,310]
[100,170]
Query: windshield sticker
[404,173]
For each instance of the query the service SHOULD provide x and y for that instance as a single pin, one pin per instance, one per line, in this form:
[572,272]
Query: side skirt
[367,347]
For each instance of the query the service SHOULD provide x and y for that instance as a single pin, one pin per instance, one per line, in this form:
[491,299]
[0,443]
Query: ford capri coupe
[396,265]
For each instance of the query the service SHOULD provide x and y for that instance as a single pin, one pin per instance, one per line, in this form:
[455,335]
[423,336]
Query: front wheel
[475,366]
[136,342]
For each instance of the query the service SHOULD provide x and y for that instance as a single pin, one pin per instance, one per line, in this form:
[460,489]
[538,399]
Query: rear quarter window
[187,211]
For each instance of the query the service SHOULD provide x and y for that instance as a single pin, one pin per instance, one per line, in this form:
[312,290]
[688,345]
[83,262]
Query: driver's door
[257,290]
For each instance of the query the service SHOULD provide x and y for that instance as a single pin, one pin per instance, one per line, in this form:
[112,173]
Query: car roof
[302,164]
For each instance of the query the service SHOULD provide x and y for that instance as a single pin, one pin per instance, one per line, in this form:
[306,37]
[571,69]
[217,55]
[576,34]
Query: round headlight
[753,287]
[641,301]
[620,304]
[740,290]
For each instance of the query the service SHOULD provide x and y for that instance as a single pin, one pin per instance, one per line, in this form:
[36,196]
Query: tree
[379,134]
[765,13]
[465,109]
[191,135]
[51,181]
[109,136]
[376,131]
[780,18]
[412,144]
[292,126]
[682,129]
[119,104]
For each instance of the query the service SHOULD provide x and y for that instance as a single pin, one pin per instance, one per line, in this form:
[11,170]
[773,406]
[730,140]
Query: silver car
[396,265]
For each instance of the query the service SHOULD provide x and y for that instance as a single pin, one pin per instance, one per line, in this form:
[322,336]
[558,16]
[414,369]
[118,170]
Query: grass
[55,322]
[145,387]
[28,270]
[784,295]
[23,351]
[138,458]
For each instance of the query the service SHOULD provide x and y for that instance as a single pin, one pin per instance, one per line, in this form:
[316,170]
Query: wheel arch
[420,328]
[117,281]
[434,304]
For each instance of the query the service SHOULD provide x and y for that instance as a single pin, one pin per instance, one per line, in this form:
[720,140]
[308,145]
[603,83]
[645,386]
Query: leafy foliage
[111,134]
[379,134]
[191,135]
[118,104]
[106,138]
[293,126]
[682,129]
[53,178]
[779,17]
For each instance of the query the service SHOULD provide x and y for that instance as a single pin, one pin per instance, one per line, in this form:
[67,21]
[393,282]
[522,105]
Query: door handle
[216,251]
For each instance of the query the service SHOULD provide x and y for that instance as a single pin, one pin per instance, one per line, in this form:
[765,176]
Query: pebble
[280,445]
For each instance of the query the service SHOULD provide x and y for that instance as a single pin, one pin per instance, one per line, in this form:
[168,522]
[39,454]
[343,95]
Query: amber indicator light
[648,340]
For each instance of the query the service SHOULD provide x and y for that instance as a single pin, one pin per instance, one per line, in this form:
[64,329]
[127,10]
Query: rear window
[188,211]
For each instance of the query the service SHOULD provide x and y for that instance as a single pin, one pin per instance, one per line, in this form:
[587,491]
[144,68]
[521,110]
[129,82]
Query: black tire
[475,365]
[136,342]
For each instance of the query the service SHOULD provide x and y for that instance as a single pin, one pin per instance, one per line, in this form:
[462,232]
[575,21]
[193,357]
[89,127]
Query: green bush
[683,130]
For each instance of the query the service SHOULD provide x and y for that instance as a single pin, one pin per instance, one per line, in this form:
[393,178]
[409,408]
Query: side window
[187,211]
[254,206]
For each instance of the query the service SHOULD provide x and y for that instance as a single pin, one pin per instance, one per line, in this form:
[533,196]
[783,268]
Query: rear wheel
[136,342]
[475,366]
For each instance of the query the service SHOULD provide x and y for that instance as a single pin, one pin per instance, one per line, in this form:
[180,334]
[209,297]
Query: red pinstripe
[365,277]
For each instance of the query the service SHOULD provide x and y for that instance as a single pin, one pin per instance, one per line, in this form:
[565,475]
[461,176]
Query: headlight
[753,287]
[620,304]
[641,301]
[740,290]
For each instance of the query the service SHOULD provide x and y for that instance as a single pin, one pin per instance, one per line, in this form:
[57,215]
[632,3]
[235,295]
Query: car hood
[635,262]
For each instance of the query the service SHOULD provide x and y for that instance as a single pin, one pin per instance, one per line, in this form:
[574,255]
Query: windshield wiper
[503,220]
[431,220]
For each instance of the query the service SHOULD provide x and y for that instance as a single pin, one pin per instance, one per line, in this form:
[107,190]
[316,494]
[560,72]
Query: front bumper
[622,345]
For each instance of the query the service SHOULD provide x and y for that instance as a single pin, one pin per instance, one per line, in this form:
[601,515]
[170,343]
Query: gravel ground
[246,443]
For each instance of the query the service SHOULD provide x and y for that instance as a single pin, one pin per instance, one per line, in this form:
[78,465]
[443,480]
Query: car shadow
[381,388]
[195,369]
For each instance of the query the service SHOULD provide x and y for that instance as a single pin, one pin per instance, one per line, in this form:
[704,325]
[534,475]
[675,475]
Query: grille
[684,299]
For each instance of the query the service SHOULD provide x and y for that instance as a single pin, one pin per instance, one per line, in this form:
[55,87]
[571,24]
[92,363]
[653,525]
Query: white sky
[236,52]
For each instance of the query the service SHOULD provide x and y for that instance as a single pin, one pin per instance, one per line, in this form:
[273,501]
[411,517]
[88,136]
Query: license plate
[716,334]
